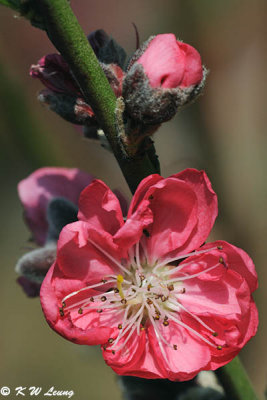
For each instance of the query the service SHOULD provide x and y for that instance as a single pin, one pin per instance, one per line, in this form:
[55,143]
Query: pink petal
[141,191]
[51,291]
[79,258]
[240,262]
[223,298]
[100,207]
[174,207]
[135,359]
[163,62]
[192,354]
[169,63]
[131,232]
[246,329]
[207,205]
[193,71]
[42,185]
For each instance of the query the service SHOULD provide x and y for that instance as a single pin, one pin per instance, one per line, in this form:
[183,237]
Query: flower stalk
[235,381]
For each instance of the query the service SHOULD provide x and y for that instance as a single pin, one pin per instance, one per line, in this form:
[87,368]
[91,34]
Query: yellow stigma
[119,286]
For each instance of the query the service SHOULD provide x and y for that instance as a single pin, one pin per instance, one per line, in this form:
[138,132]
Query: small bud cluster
[163,75]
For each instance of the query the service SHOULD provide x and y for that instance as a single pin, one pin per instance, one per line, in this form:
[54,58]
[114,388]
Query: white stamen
[109,256]
[128,325]
[156,330]
[176,307]
[193,253]
[85,288]
[137,256]
[184,278]
[170,316]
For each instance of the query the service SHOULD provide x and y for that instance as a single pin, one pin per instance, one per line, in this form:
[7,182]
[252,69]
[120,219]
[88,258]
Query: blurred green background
[224,133]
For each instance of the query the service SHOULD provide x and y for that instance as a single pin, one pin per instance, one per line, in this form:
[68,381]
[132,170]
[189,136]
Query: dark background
[224,133]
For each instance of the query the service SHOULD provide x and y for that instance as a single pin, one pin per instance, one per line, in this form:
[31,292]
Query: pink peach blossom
[169,63]
[161,304]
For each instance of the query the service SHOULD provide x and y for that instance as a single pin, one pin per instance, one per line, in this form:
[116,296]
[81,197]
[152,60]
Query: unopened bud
[163,75]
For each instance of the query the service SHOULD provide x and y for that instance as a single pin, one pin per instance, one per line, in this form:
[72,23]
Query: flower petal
[50,296]
[135,359]
[131,232]
[174,207]
[141,191]
[207,204]
[192,355]
[79,258]
[100,207]
[36,191]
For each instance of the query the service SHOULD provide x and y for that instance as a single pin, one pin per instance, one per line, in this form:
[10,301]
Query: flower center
[142,295]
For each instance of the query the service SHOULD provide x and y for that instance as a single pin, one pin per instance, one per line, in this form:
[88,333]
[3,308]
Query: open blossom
[161,304]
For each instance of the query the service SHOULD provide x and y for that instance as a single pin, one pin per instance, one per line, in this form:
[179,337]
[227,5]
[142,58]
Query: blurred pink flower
[44,184]
[169,63]
[161,304]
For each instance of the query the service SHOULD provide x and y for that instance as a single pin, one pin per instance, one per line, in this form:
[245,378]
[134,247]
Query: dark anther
[103,298]
[80,311]
[61,312]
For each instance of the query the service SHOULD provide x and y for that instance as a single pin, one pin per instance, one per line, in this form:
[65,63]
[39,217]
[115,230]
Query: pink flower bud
[169,63]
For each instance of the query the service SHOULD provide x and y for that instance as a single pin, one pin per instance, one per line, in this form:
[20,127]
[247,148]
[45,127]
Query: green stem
[66,34]
[235,381]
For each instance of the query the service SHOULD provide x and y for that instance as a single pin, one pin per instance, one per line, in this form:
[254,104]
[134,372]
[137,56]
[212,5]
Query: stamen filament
[85,288]
[177,308]
[109,256]
[184,278]
[137,256]
[170,316]
[193,253]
